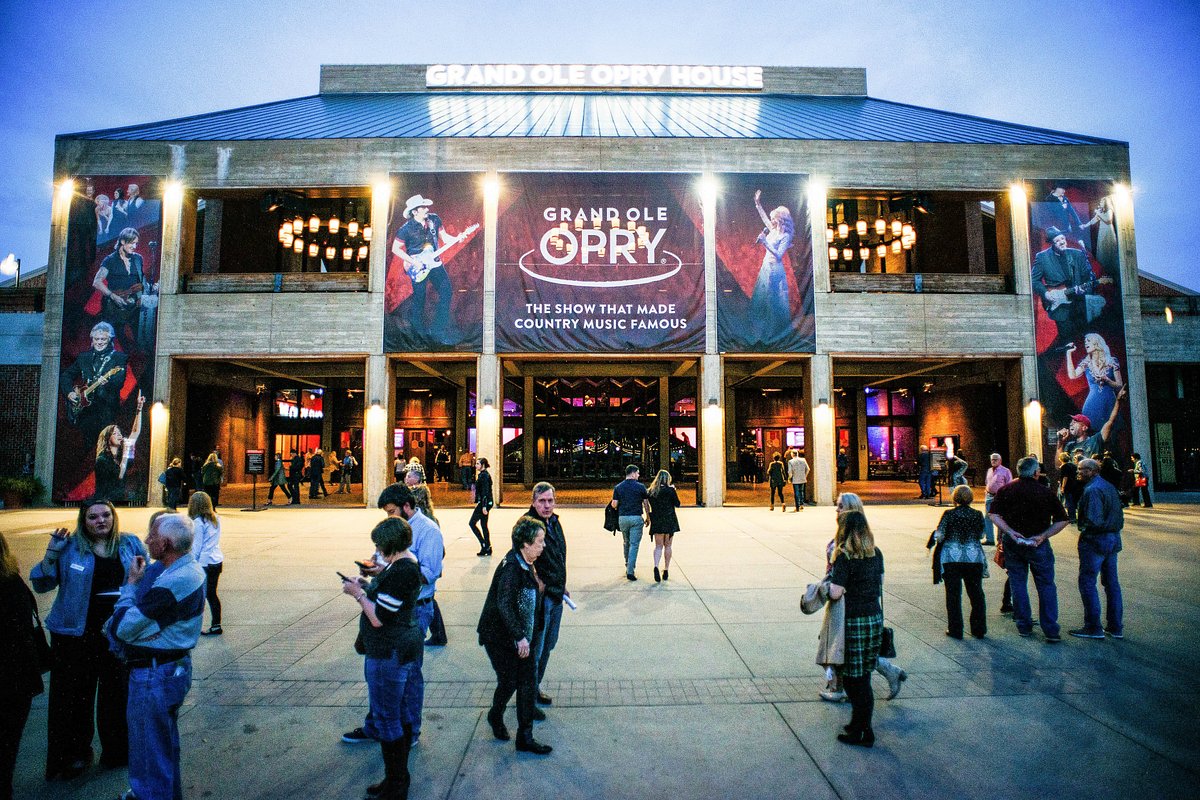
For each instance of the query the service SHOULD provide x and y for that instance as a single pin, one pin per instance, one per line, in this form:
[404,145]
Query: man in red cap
[1078,436]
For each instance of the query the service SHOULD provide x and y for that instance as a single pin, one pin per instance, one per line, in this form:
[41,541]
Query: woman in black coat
[20,674]
[507,626]
[483,505]
[664,524]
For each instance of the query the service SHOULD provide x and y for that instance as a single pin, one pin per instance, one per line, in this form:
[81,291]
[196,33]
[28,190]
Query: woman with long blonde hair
[89,687]
[206,547]
[857,575]
[114,453]
[664,523]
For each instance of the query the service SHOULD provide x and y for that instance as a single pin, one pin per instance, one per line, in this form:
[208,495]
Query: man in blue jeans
[1100,522]
[632,502]
[1028,514]
[552,569]
[157,620]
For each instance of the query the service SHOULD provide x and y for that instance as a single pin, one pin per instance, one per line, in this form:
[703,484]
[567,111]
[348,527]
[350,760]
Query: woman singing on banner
[770,305]
[114,452]
[1103,376]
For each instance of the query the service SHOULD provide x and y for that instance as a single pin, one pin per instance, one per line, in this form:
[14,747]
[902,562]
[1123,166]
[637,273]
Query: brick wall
[19,410]
[976,413]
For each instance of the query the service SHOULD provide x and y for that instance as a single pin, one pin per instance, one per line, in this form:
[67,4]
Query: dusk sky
[1126,71]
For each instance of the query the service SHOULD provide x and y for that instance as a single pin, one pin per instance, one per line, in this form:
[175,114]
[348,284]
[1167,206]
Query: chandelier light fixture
[875,230]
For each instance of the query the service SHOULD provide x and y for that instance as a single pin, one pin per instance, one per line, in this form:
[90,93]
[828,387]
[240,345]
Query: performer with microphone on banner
[770,305]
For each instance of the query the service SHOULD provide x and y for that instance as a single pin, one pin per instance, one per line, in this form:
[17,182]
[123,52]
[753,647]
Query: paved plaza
[701,687]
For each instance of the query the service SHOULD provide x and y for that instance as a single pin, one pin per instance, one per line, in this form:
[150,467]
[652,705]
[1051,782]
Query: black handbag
[610,518]
[887,643]
[42,653]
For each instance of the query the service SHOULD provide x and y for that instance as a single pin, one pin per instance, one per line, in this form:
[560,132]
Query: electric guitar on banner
[429,259]
[132,297]
[1058,296]
[84,394]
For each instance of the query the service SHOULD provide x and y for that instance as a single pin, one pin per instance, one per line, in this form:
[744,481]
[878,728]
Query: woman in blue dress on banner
[1103,375]
[770,304]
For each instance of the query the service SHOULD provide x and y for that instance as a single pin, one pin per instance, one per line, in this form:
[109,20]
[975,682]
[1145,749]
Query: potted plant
[19,492]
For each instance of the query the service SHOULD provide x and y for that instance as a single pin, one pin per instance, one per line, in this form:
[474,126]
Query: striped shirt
[160,616]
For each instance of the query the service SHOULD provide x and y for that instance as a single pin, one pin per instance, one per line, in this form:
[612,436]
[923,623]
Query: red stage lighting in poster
[599,263]
[109,328]
[764,265]
[434,287]
[1079,319]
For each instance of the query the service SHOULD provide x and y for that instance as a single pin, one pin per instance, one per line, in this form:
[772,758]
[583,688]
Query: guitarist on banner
[419,244]
[1063,279]
[92,385]
[121,282]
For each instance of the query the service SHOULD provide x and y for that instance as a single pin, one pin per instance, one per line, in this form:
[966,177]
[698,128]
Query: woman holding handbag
[20,662]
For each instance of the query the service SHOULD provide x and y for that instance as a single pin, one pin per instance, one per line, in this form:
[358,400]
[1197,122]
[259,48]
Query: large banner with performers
[109,328]
[764,265]
[1079,319]
[599,263]
[433,299]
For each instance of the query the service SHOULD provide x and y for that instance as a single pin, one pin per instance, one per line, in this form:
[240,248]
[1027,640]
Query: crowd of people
[127,614]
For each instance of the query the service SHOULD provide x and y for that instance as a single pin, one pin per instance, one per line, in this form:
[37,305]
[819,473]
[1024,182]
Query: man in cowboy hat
[418,238]
[1062,277]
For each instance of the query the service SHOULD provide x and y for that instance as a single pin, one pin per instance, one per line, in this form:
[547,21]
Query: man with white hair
[998,476]
[1100,522]
[158,620]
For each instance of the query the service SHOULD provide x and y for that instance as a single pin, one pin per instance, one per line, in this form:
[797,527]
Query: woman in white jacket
[206,547]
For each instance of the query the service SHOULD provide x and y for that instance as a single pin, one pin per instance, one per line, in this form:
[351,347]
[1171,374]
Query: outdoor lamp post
[11,265]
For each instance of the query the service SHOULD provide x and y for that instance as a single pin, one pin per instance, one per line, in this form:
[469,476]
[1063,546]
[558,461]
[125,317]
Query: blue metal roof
[588,114]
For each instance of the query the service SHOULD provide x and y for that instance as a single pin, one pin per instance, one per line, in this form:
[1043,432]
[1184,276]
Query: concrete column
[381,197]
[378,417]
[1135,349]
[527,438]
[712,430]
[489,400]
[460,423]
[664,423]
[713,404]
[1015,400]
[1032,411]
[158,405]
[863,456]
[819,433]
[48,398]
[817,200]
[1019,208]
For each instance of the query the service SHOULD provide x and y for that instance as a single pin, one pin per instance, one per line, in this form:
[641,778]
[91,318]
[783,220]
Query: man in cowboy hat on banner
[1063,279]
[416,244]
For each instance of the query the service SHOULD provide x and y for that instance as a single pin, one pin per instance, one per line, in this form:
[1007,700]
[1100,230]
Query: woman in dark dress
[962,562]
[508,624]
[173,479]
[87,567]
[391,641]
[20,674]
[483,506]
[857,574]
[664,524]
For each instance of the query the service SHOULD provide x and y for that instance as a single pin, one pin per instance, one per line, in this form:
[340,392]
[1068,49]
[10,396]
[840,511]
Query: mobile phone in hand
[344,578]
[366,565]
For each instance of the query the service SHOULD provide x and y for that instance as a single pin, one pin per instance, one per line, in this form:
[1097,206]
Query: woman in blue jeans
[389,637]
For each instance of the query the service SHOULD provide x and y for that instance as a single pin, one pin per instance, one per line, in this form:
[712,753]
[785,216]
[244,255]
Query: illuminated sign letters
[593,76]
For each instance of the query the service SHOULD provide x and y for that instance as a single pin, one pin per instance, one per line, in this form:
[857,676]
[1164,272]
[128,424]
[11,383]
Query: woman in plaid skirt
[857,575]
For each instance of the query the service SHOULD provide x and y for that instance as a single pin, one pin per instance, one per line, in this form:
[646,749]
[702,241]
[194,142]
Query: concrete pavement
[701,687]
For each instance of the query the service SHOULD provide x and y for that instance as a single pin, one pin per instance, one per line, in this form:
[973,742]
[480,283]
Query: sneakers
[1053,639]
[1115,634]
[833,697]
[214,630]
[357,736]
[1084,633]
[629,576]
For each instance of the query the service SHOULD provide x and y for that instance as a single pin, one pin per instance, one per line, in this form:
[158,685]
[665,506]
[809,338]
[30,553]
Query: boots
[495,718]
[527,744]
[895,676]
[394,786]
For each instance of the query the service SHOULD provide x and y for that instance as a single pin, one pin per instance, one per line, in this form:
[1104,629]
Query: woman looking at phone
[87,566]
[391,641]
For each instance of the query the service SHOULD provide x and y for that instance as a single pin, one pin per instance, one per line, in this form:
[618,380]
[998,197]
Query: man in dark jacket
[316,475]
[1100,524]
[103,368]
[552,568]
[295,475]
